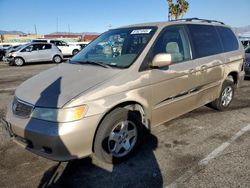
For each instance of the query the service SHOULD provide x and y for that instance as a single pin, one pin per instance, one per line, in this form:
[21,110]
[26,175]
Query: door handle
[191,71]
[204,67]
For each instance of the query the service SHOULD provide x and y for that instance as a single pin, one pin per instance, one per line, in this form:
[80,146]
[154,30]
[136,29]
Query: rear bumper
[55,141]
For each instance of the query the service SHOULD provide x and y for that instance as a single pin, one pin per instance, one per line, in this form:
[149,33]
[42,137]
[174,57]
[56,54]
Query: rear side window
[58,43]
[205,39]
[47,46]
[229,41]
[37,47]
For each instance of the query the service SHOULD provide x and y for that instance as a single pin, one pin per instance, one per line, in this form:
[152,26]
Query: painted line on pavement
[8,89]
[208,158]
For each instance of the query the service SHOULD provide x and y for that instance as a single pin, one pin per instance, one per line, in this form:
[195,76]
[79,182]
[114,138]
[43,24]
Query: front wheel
[226,96]
[18,61]
[118,136]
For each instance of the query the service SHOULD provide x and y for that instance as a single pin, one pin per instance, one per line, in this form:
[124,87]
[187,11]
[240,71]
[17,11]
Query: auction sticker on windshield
[141,31]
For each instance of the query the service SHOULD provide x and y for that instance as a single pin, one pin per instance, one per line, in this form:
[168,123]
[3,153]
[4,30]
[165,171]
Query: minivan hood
[55,87]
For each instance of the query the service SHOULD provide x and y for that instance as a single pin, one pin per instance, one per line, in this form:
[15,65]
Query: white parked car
[66,49]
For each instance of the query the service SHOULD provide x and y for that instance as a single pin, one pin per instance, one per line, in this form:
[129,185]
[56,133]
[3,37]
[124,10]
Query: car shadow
[44,62]
[140,170]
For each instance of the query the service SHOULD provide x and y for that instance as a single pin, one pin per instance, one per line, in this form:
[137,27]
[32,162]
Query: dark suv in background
[247,63]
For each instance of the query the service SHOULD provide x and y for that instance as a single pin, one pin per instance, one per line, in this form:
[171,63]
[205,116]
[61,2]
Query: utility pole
[69,28]
[57,24]
[35,29]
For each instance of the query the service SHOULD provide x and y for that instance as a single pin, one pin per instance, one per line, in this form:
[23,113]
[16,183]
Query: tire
[118,136]
[226,96]
[18,61]
[57,59]
[75,51]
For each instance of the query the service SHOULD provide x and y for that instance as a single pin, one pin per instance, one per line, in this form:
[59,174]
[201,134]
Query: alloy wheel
[122,138]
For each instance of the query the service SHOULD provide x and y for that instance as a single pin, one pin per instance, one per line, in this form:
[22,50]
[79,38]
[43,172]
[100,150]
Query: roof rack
[198,19]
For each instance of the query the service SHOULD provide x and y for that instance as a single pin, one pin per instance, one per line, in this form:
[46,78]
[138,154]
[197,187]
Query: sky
[98,15]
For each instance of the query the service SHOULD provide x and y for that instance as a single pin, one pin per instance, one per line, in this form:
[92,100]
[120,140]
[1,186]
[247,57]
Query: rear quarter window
[228,38]
[205,40]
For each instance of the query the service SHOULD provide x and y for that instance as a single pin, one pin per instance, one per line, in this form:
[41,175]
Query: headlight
[9,54]
[60,115]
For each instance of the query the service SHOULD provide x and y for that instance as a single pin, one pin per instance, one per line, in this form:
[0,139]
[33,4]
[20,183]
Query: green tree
[178,9]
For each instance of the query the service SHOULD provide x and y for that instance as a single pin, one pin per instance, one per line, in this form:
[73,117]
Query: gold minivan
[125,82]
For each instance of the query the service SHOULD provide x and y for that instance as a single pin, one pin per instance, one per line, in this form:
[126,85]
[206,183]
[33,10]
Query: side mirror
[162,60]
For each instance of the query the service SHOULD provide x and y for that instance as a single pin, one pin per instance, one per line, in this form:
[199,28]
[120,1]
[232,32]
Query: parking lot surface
[204,148]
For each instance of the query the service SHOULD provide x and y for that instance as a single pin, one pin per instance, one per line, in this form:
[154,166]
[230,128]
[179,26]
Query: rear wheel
[75,52]
[118,135]
[18,61]
[226,96]
[57,59]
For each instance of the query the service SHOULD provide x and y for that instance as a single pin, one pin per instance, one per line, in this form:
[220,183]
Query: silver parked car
[35,52]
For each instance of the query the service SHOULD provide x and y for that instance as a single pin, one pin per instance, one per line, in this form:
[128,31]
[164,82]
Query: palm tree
[178,9]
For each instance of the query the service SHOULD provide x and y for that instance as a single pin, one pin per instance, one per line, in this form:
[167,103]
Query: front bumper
[241,78]
[10,59]
[55,141]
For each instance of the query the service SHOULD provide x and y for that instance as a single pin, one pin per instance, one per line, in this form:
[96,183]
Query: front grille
[21,109]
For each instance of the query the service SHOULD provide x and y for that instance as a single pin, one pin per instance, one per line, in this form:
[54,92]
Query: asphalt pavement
[204,148]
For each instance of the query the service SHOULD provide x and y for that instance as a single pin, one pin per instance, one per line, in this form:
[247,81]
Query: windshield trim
[154,29]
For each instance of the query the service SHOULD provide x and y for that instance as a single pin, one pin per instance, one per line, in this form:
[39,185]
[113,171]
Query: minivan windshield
[115,48]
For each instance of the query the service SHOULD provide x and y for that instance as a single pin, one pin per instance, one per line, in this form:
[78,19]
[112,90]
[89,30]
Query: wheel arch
[24,61]
[234,76]
[75,49]
[57,55]
[131,105]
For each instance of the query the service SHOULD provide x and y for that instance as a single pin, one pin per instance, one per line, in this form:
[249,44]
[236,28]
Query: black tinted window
[55,42]
[58,43]
[248,50]
[47,46]
[229,41]
[37,47]
[39,40]
[205,40]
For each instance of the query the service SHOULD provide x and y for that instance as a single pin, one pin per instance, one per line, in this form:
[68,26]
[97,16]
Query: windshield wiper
[93,63]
